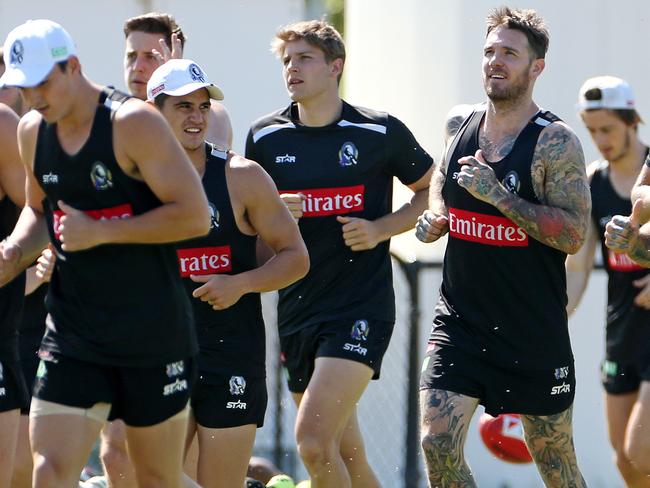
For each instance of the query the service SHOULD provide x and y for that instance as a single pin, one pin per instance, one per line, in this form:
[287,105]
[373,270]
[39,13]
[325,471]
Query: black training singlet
[344,169]
[503,294]
[231,341]
[114,304]
[628,326]
[12,294]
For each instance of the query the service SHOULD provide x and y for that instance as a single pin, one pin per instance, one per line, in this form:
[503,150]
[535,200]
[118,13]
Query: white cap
[32,49]
[178,77]
[615,93]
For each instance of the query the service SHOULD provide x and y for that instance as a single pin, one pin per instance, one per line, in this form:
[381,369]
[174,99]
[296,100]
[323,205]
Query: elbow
[303,265]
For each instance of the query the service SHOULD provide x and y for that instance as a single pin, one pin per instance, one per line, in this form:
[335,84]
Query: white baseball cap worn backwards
[32,49]
[178,77]
[615,94]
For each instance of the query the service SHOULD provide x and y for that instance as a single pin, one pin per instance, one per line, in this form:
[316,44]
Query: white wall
[228,38]
[418,58]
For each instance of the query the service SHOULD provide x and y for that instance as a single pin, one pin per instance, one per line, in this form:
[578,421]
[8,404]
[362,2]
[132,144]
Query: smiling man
[513,195]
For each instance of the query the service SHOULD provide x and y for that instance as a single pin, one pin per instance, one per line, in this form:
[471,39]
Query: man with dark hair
[513,195]
[119,341]
[223,279]
[152,39]
[334,165]
[607,108]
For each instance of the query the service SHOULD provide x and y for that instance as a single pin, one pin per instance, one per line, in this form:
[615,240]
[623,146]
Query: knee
[47,473]
[113,457]
[353,455]
[637,451]
[438,448]
[314,452]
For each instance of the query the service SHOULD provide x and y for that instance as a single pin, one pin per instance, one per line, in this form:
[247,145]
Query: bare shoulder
[8,119]
[134,112]
[27,134]
[455,118]
[246,171]
[29,122]
[557,143]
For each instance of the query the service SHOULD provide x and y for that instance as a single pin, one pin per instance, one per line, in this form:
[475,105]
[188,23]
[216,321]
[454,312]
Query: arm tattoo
[550,443]
[443,450]
[641,251]
[561,185]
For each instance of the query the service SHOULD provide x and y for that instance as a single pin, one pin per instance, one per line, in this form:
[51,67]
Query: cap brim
[213,90]
[24,79]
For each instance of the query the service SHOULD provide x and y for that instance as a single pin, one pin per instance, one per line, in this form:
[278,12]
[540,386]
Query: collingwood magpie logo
[196,73]
[511,182]
[360,330]
[101,176]
[348,154]
[17,53]
[237,385]
[214,216]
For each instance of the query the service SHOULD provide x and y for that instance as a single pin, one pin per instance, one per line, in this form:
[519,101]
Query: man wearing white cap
[222,278]
[607,108]
[112,187]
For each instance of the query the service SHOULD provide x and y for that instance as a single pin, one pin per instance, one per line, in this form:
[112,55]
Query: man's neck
[320,111]
[82,110]
[508,117]
[198,157]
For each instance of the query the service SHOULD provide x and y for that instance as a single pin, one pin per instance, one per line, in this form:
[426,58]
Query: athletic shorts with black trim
[140,396]
[220,403]
[362,341]
[13,389]
[499,390]
[619,378]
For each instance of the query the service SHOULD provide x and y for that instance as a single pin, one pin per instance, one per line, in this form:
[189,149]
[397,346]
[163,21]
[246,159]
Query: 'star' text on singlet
[343,169]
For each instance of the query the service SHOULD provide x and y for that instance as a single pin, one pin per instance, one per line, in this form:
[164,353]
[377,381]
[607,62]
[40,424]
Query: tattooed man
[513,196]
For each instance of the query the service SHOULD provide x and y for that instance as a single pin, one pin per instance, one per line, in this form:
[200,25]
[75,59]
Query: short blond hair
[317,33]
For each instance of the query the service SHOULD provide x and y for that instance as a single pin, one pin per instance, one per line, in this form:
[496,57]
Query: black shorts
[363,341]
[13,389]
[619,378]
[499,390]
[29,362]
[219,404]
[140,396]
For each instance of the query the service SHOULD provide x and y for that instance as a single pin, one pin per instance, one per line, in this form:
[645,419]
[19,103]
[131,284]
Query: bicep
[269,216]
[12,171]
[160,160]
[560,164]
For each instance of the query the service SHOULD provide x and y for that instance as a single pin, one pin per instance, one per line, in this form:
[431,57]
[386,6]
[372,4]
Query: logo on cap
[17,52]
[196,73]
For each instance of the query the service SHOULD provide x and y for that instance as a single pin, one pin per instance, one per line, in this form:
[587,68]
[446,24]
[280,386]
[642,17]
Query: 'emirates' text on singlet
[503,294]
[121,305]
[344,169]
[231,341]
[628,326]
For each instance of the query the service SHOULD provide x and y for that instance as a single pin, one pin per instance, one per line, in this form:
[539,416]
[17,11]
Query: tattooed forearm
[550,442]
[640,253]
[561,185]
[444,429]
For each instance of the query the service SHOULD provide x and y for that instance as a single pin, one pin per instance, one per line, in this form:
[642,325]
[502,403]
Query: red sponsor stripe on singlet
[204,260]
[123,211]
[486,229]
[621,262]
[320,202]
